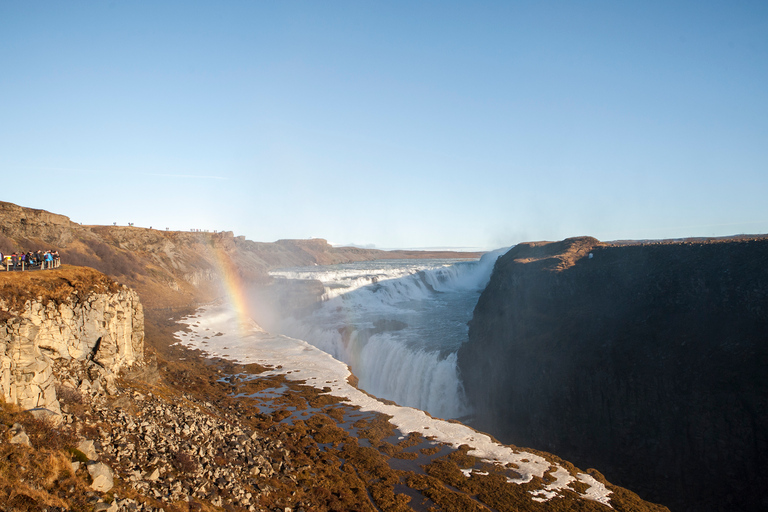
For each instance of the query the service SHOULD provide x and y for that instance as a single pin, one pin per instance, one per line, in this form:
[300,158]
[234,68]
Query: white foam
[427,304]
[308,363]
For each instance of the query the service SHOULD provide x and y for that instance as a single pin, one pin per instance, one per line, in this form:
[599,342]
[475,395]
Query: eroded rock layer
[67,314]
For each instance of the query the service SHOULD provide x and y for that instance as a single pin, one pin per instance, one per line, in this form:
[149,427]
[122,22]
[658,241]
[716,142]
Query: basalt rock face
[103,325]
[647,361]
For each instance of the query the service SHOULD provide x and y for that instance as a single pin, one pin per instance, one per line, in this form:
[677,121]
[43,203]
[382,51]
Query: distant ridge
[175,268]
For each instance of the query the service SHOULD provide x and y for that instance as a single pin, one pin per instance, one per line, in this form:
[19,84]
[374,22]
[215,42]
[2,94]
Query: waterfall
[396,323]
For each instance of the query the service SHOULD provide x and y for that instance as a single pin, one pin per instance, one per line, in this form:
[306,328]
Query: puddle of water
[323,447]
[419,502]
[422,459]
[268,393]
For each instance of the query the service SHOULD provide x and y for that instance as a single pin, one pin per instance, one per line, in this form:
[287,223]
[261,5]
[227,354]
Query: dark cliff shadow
[647,362]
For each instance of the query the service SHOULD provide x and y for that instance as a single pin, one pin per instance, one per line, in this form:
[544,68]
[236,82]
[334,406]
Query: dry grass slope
[64,284]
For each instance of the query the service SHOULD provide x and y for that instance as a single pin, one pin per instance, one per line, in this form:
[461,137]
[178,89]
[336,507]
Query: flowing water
[397,323]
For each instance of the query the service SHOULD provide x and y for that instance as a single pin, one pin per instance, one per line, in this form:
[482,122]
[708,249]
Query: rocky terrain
[63,314]
[130,420]
[185,433]
[172,450]
[646,360]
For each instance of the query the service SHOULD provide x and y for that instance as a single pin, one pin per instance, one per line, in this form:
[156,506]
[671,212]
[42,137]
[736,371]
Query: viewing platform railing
[8,266]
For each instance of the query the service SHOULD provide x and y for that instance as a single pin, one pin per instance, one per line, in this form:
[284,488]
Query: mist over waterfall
[397,323]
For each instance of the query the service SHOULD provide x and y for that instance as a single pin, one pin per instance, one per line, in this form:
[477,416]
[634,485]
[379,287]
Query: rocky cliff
[63,315]
[648,361]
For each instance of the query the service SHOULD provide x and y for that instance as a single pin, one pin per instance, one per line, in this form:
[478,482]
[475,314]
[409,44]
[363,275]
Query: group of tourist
[30,260]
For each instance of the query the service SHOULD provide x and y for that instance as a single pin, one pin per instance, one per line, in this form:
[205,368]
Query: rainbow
[234,290]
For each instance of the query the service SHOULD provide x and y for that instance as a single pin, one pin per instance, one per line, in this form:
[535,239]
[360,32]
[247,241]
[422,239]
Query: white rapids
[398,324]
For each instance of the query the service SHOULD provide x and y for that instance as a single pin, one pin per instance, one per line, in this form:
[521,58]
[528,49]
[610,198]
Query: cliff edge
[63,315]
[647,361]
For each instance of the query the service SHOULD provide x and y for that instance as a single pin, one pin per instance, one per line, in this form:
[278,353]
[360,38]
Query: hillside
[180,432]
[174,270]
[646,360]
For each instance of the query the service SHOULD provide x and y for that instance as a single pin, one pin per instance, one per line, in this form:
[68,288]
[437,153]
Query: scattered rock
[102,476]
[106,507]
[88,449]
[19,436]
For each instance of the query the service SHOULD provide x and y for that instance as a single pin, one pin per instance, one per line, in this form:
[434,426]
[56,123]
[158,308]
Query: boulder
[21,438]
[154,475]
[52,416]
[88,449]
[106,507]
[101,474]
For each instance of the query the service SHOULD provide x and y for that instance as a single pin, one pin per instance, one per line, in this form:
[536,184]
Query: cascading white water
[397,324]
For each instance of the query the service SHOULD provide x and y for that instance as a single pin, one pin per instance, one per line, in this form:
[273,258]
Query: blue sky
[399,124]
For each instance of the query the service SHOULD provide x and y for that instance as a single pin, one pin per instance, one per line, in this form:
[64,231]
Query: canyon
[646,360]
[569,353]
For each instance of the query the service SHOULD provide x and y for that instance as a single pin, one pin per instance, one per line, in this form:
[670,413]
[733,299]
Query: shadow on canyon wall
[648,361]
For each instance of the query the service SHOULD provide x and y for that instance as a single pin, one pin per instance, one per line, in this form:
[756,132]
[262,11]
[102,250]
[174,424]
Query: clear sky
[400,124]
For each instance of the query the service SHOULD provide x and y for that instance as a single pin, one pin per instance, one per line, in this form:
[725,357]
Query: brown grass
[105,258]
[41,432]
[64,284]
[41,476]
[184,463]
[375,429]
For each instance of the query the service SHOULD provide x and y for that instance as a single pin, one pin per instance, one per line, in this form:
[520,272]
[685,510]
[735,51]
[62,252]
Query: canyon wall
[647,361]
[63,315]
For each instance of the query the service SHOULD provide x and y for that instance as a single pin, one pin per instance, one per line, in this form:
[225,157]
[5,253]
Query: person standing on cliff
[14,261]
[48,259]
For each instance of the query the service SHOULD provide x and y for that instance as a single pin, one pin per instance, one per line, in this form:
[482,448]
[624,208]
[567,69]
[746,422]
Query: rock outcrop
[79,314]
[647,361]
